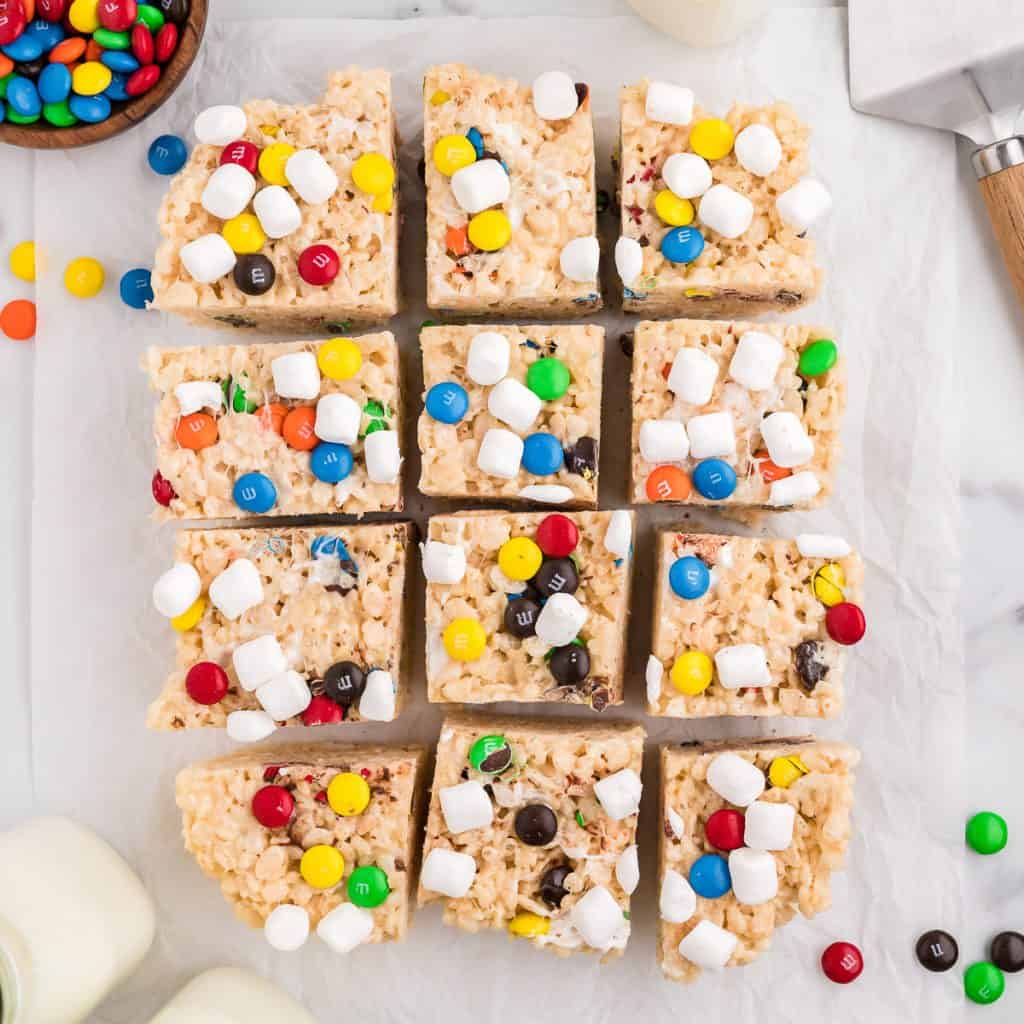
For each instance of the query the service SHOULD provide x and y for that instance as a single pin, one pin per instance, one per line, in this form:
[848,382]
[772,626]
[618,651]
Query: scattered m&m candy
[18,319]
[84,277]
[842,962]
[937,950]
[136,288]
[983,983]
[22,261]
[1007,952]
[987,833]
[167,154]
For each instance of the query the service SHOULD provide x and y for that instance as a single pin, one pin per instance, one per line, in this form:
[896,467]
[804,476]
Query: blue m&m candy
[54,83]
[682,245]
[477,141]
[167,154]
[23,97]
[447,402]
[26,47]
[710,876]
[136,288]
[118,88]
[47,33]
[330,463]
[119,60]
[542,454]
[254,492]
[327,546]
[90,109]
[714,479]
[689,578]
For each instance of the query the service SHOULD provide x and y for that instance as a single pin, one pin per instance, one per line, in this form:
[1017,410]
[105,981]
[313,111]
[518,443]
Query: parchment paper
[99,652]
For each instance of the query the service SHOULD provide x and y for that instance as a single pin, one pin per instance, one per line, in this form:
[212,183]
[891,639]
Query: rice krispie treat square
[512,413]
[714,211]
[752,626]
[511,202]
[298,625]
[527,606]
[751,831]
[735,414]
[532,830]
[306,427]
[310,837]
[286,218]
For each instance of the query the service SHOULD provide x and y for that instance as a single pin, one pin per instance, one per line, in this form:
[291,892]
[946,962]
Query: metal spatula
[956,65]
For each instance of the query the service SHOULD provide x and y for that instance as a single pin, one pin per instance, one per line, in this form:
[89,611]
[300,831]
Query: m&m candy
[490,754]
[373,173]
[84,277]
[339,358]
[319,264]
[689,578]
[842,963]
[937,950]
[987,833]
[136,288]
[322,867]
[845,623]
[273,806]
[667,483]
[163,492]
[548,378]
[447,402]
[241,152]
[206,682]
[712,138]
[519,558]
[254,274]
[254,492]
[557,535]
[692,673]
[1007,952]
[348,794]
[714,479]
[22,261]
[542,454]
[682,245]
[464,639]
[490,230]
[368,886]
[725,828]
[18,319]
[709,876]
[330,462]
[167,154]
[983,983]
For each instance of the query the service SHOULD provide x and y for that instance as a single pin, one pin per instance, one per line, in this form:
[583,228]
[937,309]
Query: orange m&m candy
[768,470]
[298,428]
[196,432]
[6,65]
[93,50]
[18,319]
[668,483]
[67,51]
[272,417]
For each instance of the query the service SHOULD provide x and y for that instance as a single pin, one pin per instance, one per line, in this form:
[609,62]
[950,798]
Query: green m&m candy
[490,755]
[987,832]
[151,17]
[16,118]
[368,886]
[983,982]
[819,357]
[548,378]
[111,40]
[235,396]
[59,114]
[3,84]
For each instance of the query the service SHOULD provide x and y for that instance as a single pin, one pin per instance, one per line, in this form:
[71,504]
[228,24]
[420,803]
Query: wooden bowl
[43,135]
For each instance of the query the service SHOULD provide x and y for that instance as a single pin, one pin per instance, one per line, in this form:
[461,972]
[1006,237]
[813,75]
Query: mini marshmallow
[286,928]
[756,360]
[296,375]
[725,211]
[176,590]
[769,826]
[708,946]
[207,258]
[758,149]
[693,376]
[278,213]
[337,419]
[465,806]
[675,822]
[687,175]
[217,126]
[793,489]
[627,869]
[500,453]
[742,665]
[487,362]
[513,403]
[786,439]
[597,917]
[311,176]
[383,456]
[249,726]
[448,872]
[755,878]
[668,103]
[561,618]
[663,441]
[618,538]
[677,902]
[258,661]
[619,793]
[237,589]
[554,96]
[345,927]
[480,185]
[711,435]
[284,696]
[800,206]
[821,545]
[580,259]
[193,395]
[652,677]
[629,260]
[735,779]
[547,494]
[228,191]
[443,563]
[377,704]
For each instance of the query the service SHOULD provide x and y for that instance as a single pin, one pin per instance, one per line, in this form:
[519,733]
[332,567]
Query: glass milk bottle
[701,22]
[75,921]
[229,995]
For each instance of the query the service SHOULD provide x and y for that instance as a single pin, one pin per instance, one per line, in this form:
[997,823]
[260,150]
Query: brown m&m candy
[536,824]
[1007,952]
[937,950]
[254,274]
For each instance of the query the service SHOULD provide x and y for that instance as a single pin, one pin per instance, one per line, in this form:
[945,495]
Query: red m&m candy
[322,711]
[166,42]
[241,152]
[51,10]
[142,80]
[557,535]
[725,829]
[273,806]
[142,44]
[163,492]
[319,264]
[117,15]
[12,20]
[206,683]
[845,623]
[842,963]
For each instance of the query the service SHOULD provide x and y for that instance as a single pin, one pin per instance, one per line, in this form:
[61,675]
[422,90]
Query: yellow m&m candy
[84,277]
[348,794]
[520,558]
[829,581]
[272,161]
[711,138]
[672,209]
[244,233]
[91,78]
[373,173]
[84,16]
[490,230]
[784,771]
[691,673]
[439,98]
[23,261]
[452,153]
[190,617]
[322,867]
[339,358]
[529,926]
[464,639]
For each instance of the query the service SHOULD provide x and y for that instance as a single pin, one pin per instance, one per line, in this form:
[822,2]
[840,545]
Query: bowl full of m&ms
[75,72]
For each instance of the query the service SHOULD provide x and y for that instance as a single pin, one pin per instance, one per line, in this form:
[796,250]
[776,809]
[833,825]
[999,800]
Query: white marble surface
[991,414]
